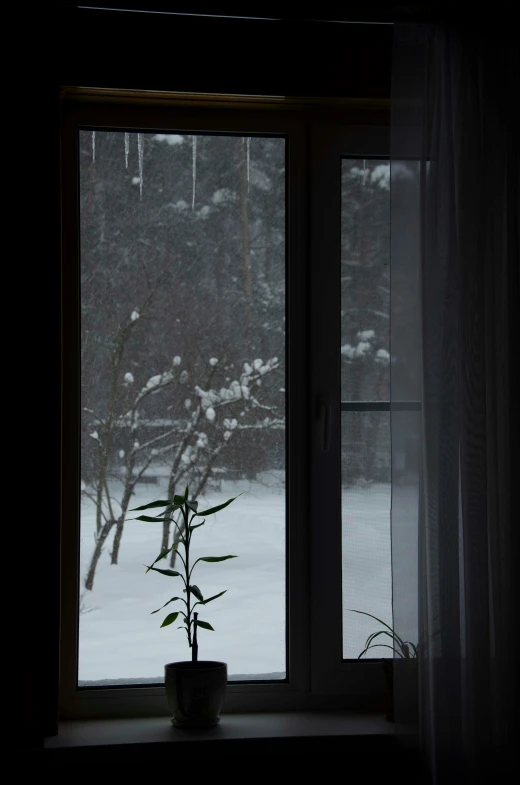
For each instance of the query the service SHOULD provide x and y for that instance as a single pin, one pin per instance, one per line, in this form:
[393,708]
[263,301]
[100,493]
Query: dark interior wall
[222,55]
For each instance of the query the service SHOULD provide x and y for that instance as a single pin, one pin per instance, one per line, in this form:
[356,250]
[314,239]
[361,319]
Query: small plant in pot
[403,650]
[195,689]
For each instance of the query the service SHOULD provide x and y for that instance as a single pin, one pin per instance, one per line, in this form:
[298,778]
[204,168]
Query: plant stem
[195,647]
[187,551]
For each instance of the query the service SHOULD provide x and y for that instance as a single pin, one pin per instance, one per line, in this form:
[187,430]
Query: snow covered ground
[119,639]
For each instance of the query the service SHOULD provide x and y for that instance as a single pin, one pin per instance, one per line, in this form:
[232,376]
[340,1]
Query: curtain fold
[454,311]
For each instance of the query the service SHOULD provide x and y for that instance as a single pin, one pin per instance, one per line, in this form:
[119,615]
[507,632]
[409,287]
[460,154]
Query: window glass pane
[183,382]
[365,509]
[365,280]
[365,377]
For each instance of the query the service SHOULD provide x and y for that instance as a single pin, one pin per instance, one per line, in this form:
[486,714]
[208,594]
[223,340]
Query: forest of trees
[183,315]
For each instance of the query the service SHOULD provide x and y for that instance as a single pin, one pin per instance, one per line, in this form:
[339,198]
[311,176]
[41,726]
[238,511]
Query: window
[202,256]
[182,293]
[365,398]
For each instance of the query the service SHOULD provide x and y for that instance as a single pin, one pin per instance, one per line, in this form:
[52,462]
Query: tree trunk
[165,535]
[117,541]
[105,531]
[246,240]
[176,541]
[129,489]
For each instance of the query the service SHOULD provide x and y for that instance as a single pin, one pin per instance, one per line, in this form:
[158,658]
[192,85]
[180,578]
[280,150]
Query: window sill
[276,733]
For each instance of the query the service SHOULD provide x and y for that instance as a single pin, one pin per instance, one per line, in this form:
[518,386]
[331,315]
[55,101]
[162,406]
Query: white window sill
[157,732]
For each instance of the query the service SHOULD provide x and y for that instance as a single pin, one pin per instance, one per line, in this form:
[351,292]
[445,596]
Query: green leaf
[216,509]
[152,504]
[375,635]
[167,603]
[179,500]
[162,555]
[186,493]
[216,558]
[196,526]
[414,648]
[394,634]
[380,646]
[170,573]
[205,602]
[373,617]
[197,592]
[169,619]
[204,625]
[192,505]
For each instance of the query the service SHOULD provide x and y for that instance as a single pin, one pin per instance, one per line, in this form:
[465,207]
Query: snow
[127,148]
[177,360]
[348,351]
[383,356]
[171,139]
[210,413]
[129,377]
[94,435]
[119,639]
[248,160]
[400,171]
[258,178]
[154,381]
[193,169]
[366,335]
[362,348]
[380,175]
[136,180]
[140,150]
[181,205]
[223,196]
[213,361]
[135,315]
[121,454]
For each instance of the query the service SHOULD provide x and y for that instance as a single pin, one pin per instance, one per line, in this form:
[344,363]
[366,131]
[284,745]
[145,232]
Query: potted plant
[195,689]
[403,650]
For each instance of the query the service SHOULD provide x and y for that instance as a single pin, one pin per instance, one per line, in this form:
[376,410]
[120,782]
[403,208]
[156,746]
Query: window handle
[325,424]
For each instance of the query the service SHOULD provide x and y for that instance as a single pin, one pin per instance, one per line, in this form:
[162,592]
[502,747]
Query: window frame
[308,637]
[330,672]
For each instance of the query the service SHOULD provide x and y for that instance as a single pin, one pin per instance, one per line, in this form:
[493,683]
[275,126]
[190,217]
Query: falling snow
[248,159]
[193,170]
[140,148]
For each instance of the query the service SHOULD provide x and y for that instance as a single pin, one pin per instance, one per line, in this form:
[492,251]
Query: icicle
[140,147]
[193,170]
[127,147]
[248,157]
[93,147]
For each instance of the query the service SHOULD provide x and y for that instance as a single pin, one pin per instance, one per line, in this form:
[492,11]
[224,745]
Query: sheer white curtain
[455,305]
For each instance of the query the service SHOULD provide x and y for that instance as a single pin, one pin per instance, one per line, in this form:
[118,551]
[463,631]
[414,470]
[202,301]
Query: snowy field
[119,639]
